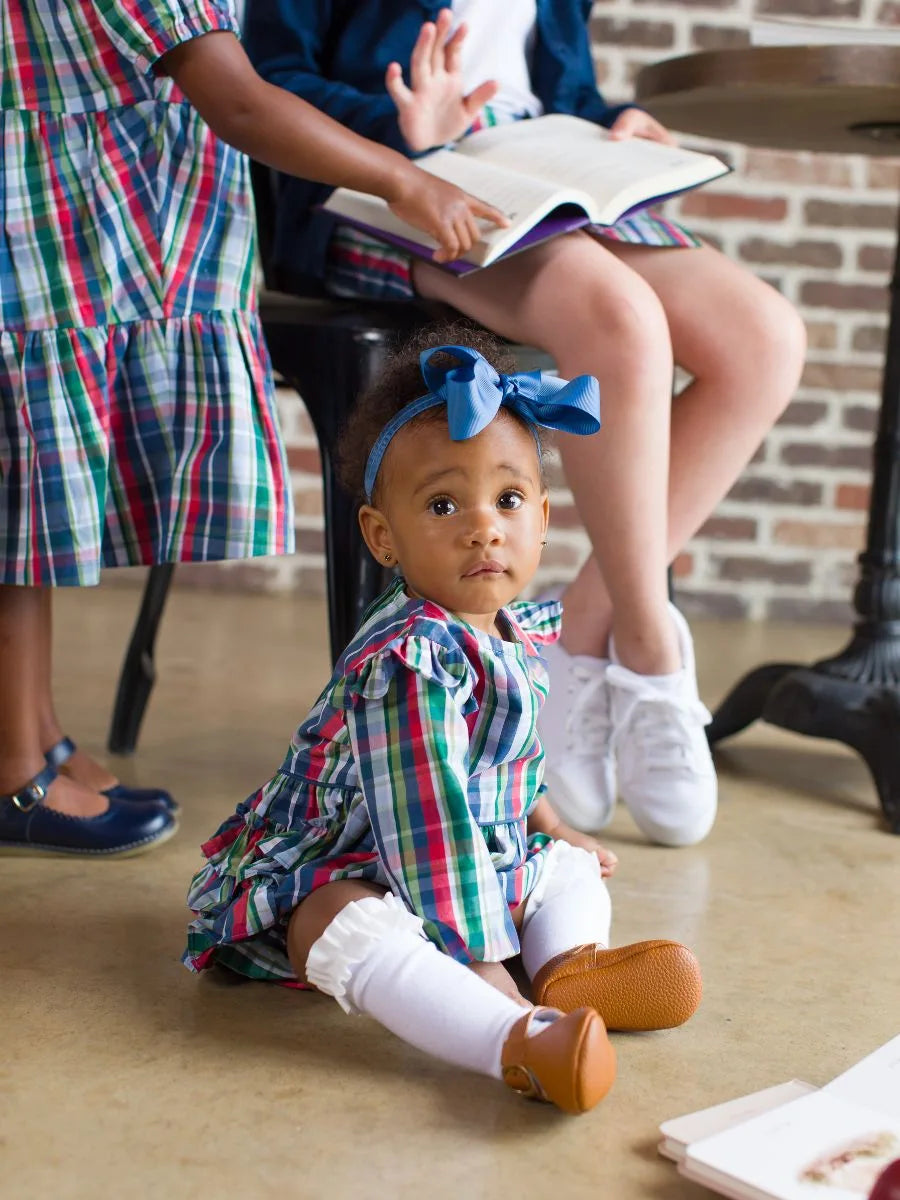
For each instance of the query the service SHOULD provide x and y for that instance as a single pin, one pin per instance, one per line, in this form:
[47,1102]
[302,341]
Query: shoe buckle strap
[522,1080]
[33,792]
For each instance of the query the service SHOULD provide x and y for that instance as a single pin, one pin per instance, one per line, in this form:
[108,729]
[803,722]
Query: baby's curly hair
[401,382]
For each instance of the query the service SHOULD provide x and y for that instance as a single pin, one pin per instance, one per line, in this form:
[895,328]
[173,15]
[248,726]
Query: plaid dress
[415,769]
[137,418]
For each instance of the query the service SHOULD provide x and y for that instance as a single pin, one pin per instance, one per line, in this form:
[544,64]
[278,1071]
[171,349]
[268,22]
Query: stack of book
[795,1141]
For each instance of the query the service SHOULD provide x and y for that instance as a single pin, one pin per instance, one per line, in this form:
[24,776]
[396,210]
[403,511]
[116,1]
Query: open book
[802,1143]
[549,175]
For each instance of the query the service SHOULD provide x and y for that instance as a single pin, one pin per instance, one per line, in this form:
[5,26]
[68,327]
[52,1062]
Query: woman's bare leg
[24,651]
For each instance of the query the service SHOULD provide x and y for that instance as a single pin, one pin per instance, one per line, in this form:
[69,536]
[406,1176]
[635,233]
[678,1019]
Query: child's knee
[335,958]
[314,914]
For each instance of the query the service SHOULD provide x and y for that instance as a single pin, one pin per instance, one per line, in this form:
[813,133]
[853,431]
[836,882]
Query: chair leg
[138,671]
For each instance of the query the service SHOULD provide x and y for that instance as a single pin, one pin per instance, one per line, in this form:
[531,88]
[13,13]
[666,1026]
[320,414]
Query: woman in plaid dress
[408,816]
[137,421]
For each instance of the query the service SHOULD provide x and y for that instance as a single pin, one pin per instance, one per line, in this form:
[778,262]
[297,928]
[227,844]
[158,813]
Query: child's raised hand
[444,211]
[634,122]
[432,110]
[607,860]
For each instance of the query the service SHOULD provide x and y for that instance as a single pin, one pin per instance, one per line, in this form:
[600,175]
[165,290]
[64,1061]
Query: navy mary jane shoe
[65,748]
[27,826]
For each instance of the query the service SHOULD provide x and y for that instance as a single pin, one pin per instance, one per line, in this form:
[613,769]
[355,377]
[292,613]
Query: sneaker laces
[661,724]
[588,721]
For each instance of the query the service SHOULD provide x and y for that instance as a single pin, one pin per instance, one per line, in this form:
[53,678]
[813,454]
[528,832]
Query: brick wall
[821,229]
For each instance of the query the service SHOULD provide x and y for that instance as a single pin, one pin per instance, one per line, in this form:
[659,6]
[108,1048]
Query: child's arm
[285,132]
[544,819]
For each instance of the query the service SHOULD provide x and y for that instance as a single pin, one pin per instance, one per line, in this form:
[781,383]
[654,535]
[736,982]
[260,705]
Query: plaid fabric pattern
[138,417]
[359,266]
[415,769]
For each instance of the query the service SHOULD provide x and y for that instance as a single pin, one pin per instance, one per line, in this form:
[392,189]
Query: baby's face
[465,520]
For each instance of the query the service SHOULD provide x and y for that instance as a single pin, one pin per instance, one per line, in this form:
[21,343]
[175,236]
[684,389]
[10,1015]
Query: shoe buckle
[28,797]
[521,1080]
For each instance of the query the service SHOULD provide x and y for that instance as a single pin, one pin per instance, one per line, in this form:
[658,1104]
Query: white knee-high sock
[374,959]
[570,906]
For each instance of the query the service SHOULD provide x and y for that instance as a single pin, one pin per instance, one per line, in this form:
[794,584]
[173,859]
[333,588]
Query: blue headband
[474,392]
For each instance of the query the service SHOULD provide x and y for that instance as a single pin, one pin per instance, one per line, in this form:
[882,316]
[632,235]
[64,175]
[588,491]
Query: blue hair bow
[474,393]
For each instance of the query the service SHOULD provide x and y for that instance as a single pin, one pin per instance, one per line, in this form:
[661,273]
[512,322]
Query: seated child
[404,850]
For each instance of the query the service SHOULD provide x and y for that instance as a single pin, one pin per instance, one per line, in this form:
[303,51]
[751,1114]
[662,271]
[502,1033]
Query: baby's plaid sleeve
[144,30]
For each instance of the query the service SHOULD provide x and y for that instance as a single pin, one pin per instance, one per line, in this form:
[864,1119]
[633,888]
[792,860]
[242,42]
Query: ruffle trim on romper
[349,938]
[445,664]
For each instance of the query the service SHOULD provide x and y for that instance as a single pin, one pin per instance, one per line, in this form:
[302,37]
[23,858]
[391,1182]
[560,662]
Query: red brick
[725,206]
[870,339]
[889,12]
[883,173]
[822,535]
[736,529]
[616,31]
[697,602]
[306,459]
[875,258]
[756,488]
[802,253]
[718,37]
[860,417]
[841,377]
[804,413]
[774,570]
[852,495]
[564,516]
[561,555]
[683,566]
[310,541]
[780,167]
[792,608]
[308,502]
[838,215]
[862,297]
[811,454]
[821,335]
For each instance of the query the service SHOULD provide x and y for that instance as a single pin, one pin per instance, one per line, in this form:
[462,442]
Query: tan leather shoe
[570,1063]
[648,985]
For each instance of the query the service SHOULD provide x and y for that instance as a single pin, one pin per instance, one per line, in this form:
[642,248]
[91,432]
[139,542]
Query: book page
[523,199]
[680,1132]
[577,153]
[875,1081]
[818,1147]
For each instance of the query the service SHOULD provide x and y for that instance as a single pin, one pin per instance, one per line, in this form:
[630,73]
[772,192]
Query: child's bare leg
[80,766]
[360,945]
[23,650]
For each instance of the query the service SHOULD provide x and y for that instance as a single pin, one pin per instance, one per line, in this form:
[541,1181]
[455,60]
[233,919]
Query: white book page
[579,154]
[816,1148]
[874,1082]
[680,1132]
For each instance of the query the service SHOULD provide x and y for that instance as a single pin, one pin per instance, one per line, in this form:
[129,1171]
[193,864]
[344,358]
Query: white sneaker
[666,773]
[575,729]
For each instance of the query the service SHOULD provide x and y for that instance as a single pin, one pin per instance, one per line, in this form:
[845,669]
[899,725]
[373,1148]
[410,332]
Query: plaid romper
[137,416]
[415,769]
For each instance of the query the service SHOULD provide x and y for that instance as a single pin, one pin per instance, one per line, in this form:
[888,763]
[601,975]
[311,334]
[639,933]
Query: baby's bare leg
[312,917]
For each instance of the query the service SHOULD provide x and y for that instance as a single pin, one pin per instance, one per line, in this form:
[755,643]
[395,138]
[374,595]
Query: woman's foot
[647,985]
[73,763]
[569,1063]
[46,814]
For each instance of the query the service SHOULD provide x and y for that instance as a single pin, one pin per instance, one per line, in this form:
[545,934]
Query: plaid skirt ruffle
[144,442]
[359,266]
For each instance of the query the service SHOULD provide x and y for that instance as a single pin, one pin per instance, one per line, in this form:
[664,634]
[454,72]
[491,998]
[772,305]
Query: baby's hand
[498,977]
[432,110]
[608,861]
[444,211]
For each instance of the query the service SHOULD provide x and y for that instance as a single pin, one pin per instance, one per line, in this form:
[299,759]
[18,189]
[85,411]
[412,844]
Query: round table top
[784,97]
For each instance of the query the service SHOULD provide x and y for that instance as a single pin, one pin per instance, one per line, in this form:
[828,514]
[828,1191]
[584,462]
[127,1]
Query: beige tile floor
[123,1076]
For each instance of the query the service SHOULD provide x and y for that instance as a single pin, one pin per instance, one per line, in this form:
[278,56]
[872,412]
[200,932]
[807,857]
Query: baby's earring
[388,557]
[544,542]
